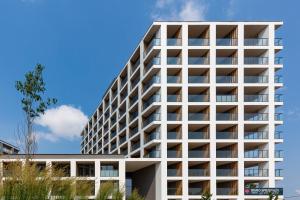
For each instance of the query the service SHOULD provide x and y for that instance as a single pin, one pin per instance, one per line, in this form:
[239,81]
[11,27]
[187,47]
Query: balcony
[278,153]
[226,98]
[226,116]
[226,172]
[278,61]
[151,118]
[195,191]
[173,172]
[173,79]
[152,136]
[256,79]
[135,146]
[198,117]
[226,191]
[198,98]
[198,42]
[256,172]
[225,135]
[226,61]
[198,79]
[174,191]
[123,82]
[198,153]
[278,98]
[173,153]
[198,61]
[278,42]
[132,116]
[226,41]
[154,42]
[173,135]
[278,116]
[152,154]
[256,116]
[135,65]
[173,61]
[197,135]
[174,98]
[225,154]
[154,80]
[256,98]
[154,61]
[256,154]
[122,140]
[256,135]
[278,172]
[174,116]
[256,41]
[109,173]
[133,131]
[278,135]
[256,60]
[174,42]
[152,99]
[198,172]
[226,79]
[278,79]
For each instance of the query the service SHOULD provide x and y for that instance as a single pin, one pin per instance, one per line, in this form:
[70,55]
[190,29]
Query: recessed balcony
[198,79]
[151,118]
[195,153]
[256,79]
[198,98]
[198,61]
[226,79]
[198,117]
[278,42]
[278,153]
[226,116]
[226,172]
[198,172]
[174,42]
[174,98]
[171,153]
[154,80]
[256,41]
[256,116]
[226,135]
[256,153]
[173,60]
[198,42]
[155,135]
[109,170]
[226,41]
[198,135]
[256,172]
[256,98]
[173,79]
[256,135]
[226,153]
[152,154]
[153,61]
[226,98]
[256,60]
[152,99]
[226,60]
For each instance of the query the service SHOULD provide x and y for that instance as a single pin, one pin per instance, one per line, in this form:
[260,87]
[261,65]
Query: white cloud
[62,122]
[181,10]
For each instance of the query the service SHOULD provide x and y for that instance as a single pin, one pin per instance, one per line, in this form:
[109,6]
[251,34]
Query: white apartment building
[197,107]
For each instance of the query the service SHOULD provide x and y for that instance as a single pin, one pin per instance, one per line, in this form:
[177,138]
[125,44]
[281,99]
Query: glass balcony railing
[122,140]
[173,79]
[198,61]
[278,79]
[226,98]
[174,98]
[174,41]
[152,99]
[226,191]
[224,135]
[173,60]
[256,98]
[153,42]
[198,172]
[174,191]
[256,79]
[151,118]
[135,65]
[195,191]
[278,172]
[198,153]
[226,172]
[198,42]
[132,116]
[278,116]
[256,116]
[226,79]
[173,153]
[256,41]
[135,146]
[256,153]
[278,42]
[256,60]
[256,172]
[152,154]
[226,41]
[198,98]
[256,135]
[262,191]
[154,61]
[173,172]
[152,136]
[278,60]
[226,116]
[197,135]
[226,154]
[197,117]
[198,79]
[173,135]
[278,98]
[278,153]
[226,61]
[123,82]
[154,80]
[278,135]
[174,116]
[109,173]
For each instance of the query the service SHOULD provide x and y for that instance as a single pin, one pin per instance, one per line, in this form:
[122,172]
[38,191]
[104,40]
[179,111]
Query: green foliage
[105,191]
[135,195]
[273,196]
[206,196]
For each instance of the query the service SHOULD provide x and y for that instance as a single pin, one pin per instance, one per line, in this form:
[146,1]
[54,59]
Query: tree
[33,104]
[206,196]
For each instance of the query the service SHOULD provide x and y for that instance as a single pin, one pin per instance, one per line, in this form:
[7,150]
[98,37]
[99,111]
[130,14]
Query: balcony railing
[256,172]
[154,61]
[197,135]
[226,116]
[278,79]
[154,80]
[152,136]
[256,154]
[256,60]
[256,79]
[256,41]
[174,116]
[152,154]
[256,116]
[278,98]
[263,191]
[198,41]
[173,135]
[198,117]
[226,191]
[132,116]
[278,116]
[173,153]
[226,154]
[198,98]
[256,135]
[173,60]
[278,153]
[226,41]
[198,79]
[278,172]
[122,140]
[152,99]
[174,41]
[133,131]
[174,98]
[198,172]
[198,61]
[226,172]
[226,98]
[173,172]
[135,65]
[135,146]
[226,79]
[151,118]
[278,42]
[278,60]
[278,135]
[109,173]
[198,153]
[223,135]
[195,191]
[173,79]
[174,191]
[226,61]
[256,97]
[154,42]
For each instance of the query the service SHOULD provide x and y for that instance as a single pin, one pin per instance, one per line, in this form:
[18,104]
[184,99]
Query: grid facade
[203,99]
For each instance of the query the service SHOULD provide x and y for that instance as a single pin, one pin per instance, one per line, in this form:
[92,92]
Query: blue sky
[84,44]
